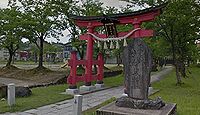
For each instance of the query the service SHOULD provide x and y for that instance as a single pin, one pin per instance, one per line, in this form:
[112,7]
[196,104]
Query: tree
[42,19]
[10,34]
[51,50]
[87,8]
[178,26]
[145,3]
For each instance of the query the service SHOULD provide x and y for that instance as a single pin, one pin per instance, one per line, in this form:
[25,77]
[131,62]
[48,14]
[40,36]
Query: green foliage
[179,26]
[159,47]
[52,48]
[43,19]
[10,30]
[145,3]
[177,29]
[91,8]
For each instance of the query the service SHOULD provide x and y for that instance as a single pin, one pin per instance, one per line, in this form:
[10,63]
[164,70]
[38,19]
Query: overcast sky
[3,3]
[114,3]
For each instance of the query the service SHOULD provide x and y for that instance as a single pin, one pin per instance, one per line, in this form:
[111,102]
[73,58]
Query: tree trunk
[178,73]
[35,57]
[182,69]
[188,63]
[41,52]
[54,58]
[13,60]
[118,59]
[80,52]
[10,57]
[176,64]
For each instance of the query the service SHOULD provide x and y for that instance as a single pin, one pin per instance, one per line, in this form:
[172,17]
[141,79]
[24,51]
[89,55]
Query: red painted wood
[100,67]
[125,20]
[71,79]
[89,57]
[136,21]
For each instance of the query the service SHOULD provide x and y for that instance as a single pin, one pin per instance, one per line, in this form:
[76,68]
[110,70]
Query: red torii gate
[91,22]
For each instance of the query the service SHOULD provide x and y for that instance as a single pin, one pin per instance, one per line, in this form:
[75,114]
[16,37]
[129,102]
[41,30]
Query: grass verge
[48,95]
[92,111]
[186,96]
[40,97]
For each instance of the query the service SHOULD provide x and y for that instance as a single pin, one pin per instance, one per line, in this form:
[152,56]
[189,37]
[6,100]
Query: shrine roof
[119,15]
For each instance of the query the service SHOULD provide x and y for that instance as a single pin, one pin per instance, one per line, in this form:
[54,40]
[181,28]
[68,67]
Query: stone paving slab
[158,76]
[89,100]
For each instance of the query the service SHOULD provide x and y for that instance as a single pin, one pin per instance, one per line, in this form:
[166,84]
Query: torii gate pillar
[89,58]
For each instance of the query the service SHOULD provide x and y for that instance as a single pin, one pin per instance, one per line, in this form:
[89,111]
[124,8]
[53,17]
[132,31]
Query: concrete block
[150,89]
[124,95]
[11,94]
[99,86]
[72,91]
[77,106]
[112,109]
[86,88]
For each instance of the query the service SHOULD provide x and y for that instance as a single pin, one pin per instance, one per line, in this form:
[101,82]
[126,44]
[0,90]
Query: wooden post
[100,68]
[89,58]
[72,77]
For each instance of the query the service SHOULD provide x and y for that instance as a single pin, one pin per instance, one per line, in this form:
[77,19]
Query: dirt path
[7,81]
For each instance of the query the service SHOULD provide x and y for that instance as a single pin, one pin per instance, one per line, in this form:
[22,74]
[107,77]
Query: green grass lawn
[92,111]
[48,95]
[40,96]
[187,96]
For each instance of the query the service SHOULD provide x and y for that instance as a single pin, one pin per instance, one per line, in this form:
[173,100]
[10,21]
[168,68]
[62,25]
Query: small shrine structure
[111,35]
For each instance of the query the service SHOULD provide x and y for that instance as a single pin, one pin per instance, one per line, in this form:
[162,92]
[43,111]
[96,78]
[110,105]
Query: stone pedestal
[86,88]
[112,109]
[124,95]
[72,91]
[99,86]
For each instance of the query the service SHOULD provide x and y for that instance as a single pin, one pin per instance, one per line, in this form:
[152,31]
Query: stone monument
[137,60]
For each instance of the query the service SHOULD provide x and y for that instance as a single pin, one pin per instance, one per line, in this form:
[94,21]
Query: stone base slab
[112,109]
[72,91]
[124,95]
[99,86]
[86,88]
